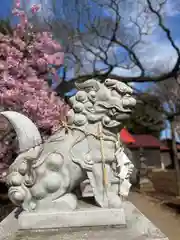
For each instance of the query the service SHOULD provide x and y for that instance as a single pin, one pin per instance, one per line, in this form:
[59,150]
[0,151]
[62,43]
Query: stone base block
[79,218]
[138,226]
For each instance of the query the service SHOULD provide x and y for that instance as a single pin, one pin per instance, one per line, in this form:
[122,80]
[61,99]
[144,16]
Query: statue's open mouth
[118,112]
[123,116]
[118,119]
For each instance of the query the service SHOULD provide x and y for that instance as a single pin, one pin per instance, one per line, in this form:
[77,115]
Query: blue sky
[5,8]
[158,53]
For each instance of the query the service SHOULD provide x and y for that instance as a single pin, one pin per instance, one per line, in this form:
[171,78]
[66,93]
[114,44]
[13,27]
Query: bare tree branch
[106,39]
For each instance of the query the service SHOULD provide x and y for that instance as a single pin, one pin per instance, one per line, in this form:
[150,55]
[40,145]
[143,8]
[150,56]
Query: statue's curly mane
[95,100]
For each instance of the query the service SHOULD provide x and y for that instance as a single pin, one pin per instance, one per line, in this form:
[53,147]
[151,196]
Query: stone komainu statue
[45,174]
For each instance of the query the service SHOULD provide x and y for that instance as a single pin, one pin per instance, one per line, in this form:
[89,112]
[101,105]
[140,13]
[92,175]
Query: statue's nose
[133,101]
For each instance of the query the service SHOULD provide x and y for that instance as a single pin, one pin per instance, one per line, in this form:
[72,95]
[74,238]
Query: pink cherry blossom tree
[25,57]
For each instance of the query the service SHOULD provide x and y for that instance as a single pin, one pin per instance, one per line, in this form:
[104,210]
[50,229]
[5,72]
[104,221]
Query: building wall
[152,155]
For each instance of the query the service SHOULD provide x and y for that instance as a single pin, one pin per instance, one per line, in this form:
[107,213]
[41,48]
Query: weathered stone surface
[86,215]
[78,218]
[138,228]
[105,233]
[9,226]
[85,147]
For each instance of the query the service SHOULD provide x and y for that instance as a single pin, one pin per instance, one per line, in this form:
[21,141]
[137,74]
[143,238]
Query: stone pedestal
[87,217]
[137,226]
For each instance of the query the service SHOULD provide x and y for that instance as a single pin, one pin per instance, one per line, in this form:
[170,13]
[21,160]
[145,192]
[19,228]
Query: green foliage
[5,27]
[148,117]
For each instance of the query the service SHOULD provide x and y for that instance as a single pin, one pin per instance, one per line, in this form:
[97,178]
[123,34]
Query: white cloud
[158,56]
[172,8]
[126,72]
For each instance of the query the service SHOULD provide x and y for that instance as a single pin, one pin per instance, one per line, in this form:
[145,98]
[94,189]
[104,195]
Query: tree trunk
[175,156]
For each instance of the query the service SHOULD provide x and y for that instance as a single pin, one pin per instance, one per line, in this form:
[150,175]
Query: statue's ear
[89,85]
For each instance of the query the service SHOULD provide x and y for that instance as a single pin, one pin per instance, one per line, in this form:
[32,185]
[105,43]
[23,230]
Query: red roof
[126,137]
[145,141]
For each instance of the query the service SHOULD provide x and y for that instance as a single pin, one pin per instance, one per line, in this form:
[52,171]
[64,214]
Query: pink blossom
[35,8]
[19,43]
[17,3]
[2,65]
[55,59]
[42,64]
[11,62]
[23,67]
[16,12]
